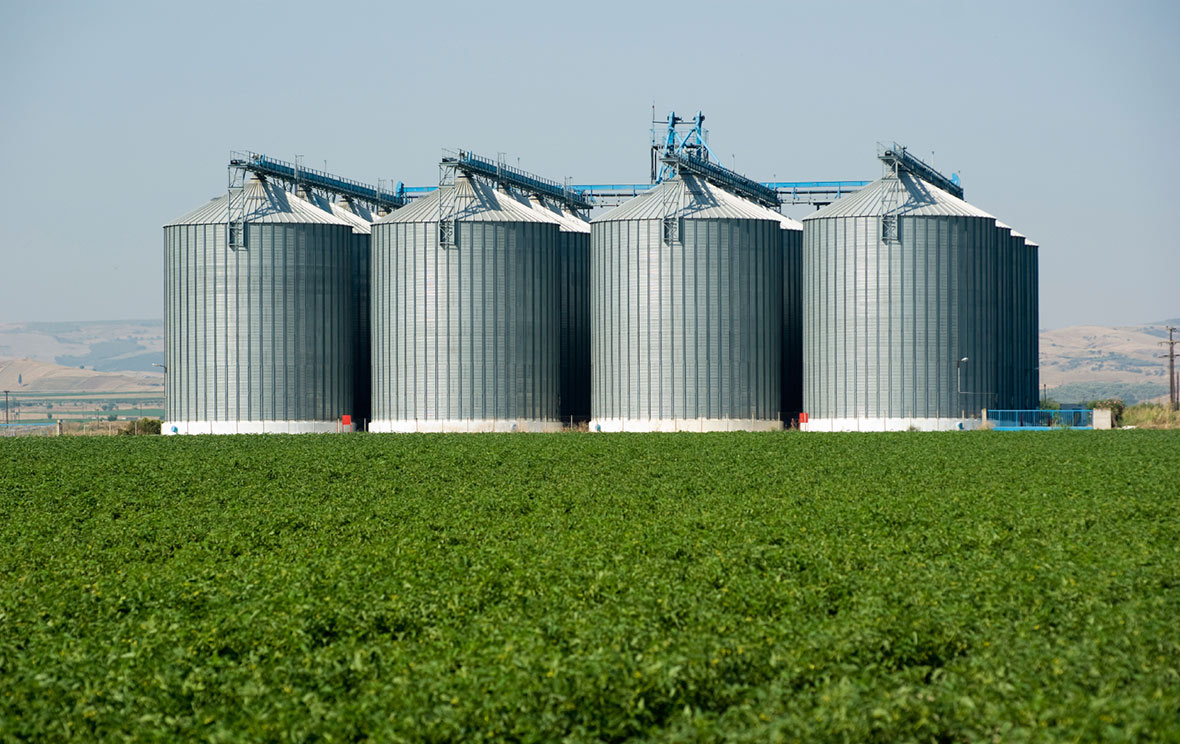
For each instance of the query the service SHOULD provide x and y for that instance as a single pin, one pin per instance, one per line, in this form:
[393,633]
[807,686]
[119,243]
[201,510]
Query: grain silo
[574,290]
[465,314]
[257,325]
[898,312]
[792,355]
[1030,336]
[361,221]
[686,312]
[1006,314]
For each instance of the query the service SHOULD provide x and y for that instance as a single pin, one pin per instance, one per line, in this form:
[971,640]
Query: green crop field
[977,586]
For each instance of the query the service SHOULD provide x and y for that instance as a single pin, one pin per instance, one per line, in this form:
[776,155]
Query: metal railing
[725,178]
[1039,420]
[520,179]
[896,155]
[267,166]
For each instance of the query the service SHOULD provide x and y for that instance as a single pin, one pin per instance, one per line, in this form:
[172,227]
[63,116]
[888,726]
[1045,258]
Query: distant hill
[1077,362]
[33,376]
[102,346]
[1086,362]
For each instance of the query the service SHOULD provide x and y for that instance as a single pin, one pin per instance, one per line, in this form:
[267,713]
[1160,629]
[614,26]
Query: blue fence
[1038,420]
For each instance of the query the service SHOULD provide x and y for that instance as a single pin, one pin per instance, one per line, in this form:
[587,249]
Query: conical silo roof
[360,210]
[259,202]
[359,224]
[691,198]
[1005,226]
[466,199]
[567,220]
[786,222]
[916,198]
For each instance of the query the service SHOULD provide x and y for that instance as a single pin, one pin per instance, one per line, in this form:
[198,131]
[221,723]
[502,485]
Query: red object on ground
[346,420]
[803,418]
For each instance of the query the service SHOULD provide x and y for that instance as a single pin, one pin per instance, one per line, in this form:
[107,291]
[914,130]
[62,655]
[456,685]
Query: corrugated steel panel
[340,209]
[916,198]
[792,364]
[362,359]
[692,330]
[1030,319]
[574,272]
[689,196]
[359,249]
[467,199]
[885,322]
[471,332]
[261,333]
[574,291]
[259,202]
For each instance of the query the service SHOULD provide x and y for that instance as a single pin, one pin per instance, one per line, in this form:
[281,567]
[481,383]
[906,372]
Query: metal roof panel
[468,199]
[691,198]
[917,198]
[260,202]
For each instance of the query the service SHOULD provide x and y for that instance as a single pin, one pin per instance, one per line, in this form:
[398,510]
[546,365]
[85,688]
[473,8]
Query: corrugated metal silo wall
[1031,322]
[885,323]
[575,326]
[262,333]
[362,366]
[1005,337]
[466,333]
[1020,366]
[792,365]
[1025,344]
[690,331]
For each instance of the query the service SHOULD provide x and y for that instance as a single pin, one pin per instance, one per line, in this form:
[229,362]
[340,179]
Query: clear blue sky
[1063,118]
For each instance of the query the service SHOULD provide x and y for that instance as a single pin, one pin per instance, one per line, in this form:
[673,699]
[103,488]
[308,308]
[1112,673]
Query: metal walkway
[296,176]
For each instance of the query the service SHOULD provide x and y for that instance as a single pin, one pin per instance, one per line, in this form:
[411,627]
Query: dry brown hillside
[31,376]
[1085,361]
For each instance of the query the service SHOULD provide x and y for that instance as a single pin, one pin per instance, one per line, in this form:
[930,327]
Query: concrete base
[891,424]
[461,426]
[698,425]
[254,427]
[1103,418]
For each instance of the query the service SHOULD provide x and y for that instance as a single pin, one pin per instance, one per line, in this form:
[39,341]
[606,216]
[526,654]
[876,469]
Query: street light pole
[6,408]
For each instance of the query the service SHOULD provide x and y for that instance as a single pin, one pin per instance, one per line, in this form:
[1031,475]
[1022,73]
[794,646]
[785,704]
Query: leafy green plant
[736,587]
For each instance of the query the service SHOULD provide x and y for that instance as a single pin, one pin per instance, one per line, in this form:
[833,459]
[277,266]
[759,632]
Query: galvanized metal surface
[361,220]
[694,198]
[1030,319]
[467,199]
[1016,299]
[261,334]
[465,337]
[260,202]
[687,333]
[792,364]
[919,199]
[886,322]
[574,271]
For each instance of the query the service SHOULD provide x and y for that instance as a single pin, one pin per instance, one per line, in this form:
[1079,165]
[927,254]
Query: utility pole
[1171,355]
